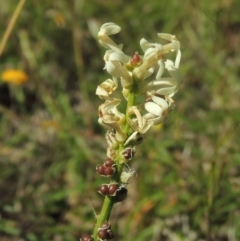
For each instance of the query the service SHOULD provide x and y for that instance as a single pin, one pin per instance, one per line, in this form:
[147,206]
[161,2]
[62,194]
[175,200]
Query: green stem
[104,215]
[110,201]
[131,102]
[215,175]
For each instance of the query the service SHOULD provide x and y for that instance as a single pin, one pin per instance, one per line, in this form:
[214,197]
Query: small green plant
[147,101]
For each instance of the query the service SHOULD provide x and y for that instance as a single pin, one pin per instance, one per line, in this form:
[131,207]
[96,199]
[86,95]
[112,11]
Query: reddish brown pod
[109,171]
[102,234]
[112,189]
[100,169]
[108,162]
[104,190]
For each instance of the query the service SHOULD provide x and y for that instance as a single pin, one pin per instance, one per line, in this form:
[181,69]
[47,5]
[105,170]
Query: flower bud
[109,29]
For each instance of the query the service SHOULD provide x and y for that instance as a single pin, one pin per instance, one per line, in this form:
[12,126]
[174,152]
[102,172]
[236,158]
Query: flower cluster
[144,74]
[152,77]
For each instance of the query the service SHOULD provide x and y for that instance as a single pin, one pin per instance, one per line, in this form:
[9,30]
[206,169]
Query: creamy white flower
[154,53]
[108,106]
[106,30]
[151,57]
[109,29]
[157,109]
[114,65]
[166,86]
[110,117]
[111,140]
[140,125]
[114,57]
[105,89]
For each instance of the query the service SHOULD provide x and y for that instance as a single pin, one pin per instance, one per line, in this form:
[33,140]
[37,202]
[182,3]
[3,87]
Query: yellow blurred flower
[15,77]
[50,125]
[59,19]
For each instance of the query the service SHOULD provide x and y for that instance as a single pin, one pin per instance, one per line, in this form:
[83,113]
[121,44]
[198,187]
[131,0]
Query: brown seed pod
[108,162]
[100,169]
[112,189]
[102,234]
[104,190]
[105,225]
[110,234]
[109,171]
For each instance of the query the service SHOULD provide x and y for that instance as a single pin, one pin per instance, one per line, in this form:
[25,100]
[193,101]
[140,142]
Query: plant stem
[11,25]
[110,201]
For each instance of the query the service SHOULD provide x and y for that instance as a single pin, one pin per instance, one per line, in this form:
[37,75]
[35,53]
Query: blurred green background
[188,181]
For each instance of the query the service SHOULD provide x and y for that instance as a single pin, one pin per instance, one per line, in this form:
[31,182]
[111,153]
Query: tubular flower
[140,125]
[114,57]
[110,117]
[105,89]
[158,109]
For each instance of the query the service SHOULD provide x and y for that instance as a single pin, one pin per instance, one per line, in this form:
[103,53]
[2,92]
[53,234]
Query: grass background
[188,181]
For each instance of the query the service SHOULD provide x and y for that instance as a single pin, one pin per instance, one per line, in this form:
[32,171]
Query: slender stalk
[215,177]
[77,39]
[109,202]
[210,199]
[11,25]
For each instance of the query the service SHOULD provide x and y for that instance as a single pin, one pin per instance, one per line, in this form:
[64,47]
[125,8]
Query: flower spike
[148,81]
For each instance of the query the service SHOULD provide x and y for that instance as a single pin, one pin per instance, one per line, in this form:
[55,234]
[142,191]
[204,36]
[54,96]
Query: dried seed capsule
[86,237]
[106,225]
[112,189]
[126,177]
[108,162]
[104,190]
[102,234]
[109,171]
[100,169]
[128,153]
[110,234]
[121,194]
